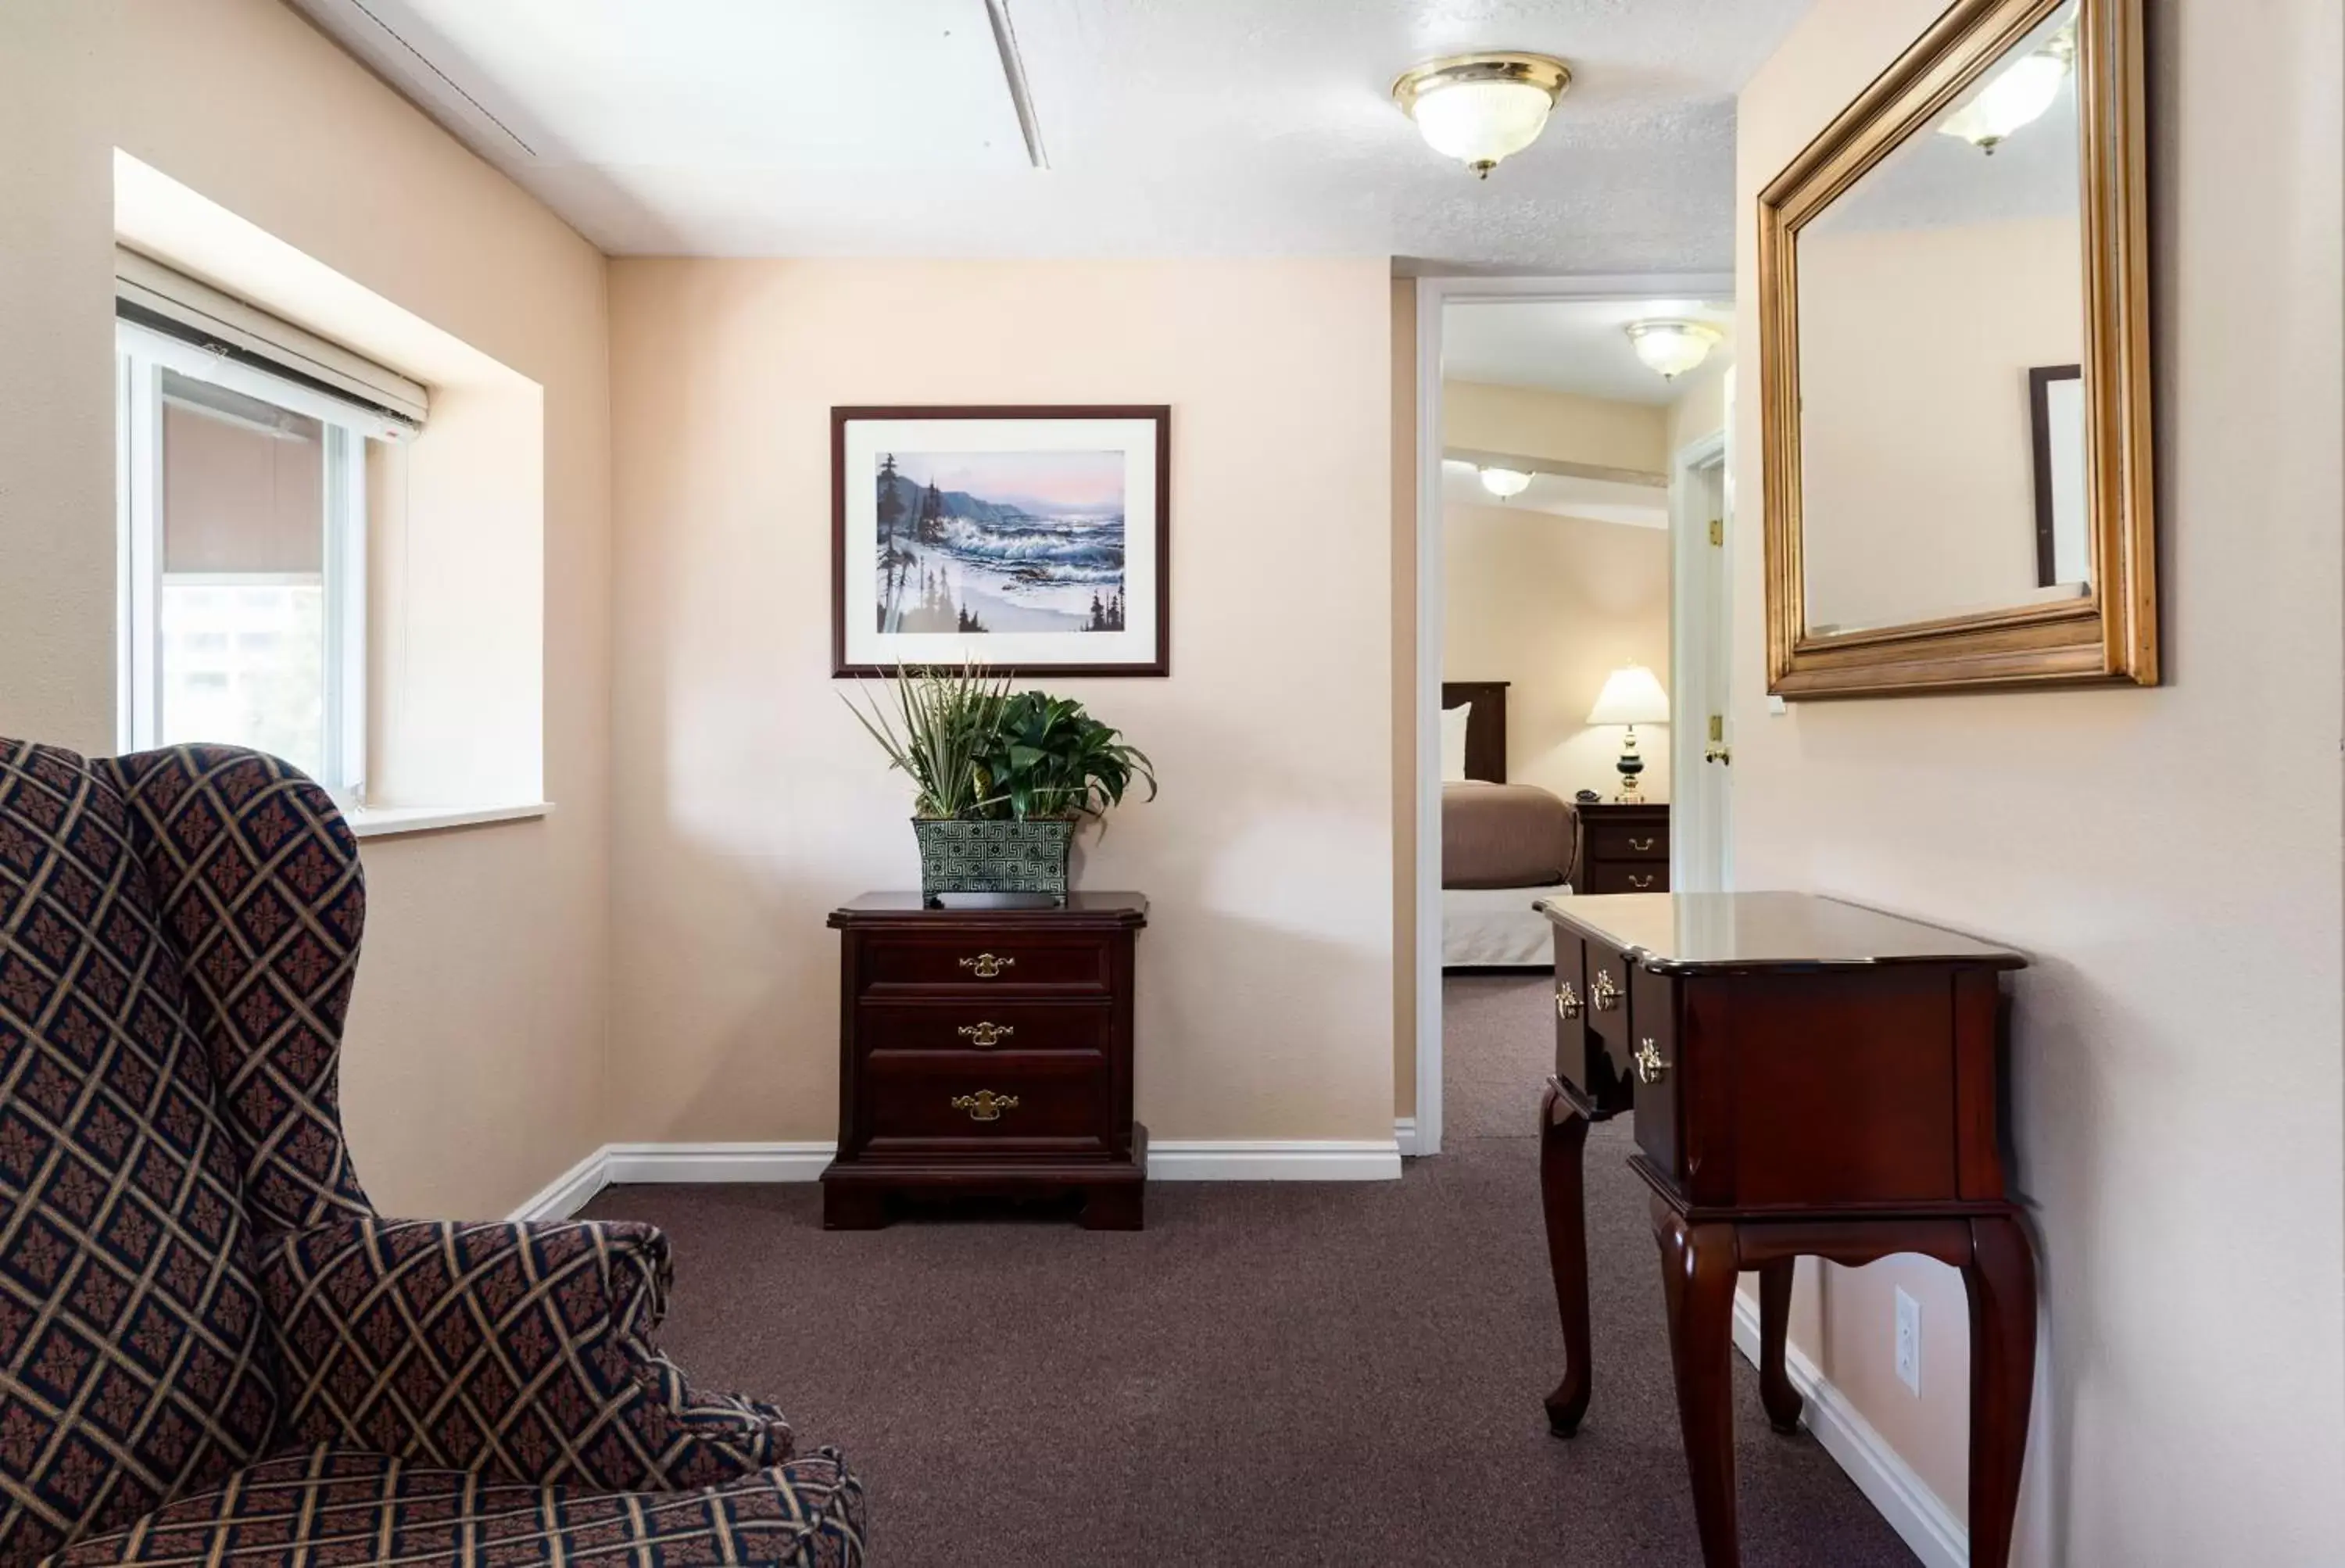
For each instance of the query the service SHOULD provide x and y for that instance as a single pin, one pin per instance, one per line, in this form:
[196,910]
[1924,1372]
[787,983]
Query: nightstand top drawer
[979,962]
[1610,839]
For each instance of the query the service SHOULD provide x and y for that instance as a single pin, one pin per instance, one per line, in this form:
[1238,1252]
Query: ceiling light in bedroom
[1505,484]
[1481,108]
[1673,347]
[2019,95]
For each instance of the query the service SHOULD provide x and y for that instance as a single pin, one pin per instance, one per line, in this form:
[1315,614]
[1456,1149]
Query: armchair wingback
[196,1293]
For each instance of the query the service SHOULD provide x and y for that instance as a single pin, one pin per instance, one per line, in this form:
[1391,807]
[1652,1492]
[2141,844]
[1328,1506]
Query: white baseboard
[1405,1135]
[1920,1517]
[621,1165]
[569,1192]
[631,1163]
[1309,1159]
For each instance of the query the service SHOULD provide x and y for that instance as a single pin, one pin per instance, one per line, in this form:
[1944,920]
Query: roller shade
[175,305]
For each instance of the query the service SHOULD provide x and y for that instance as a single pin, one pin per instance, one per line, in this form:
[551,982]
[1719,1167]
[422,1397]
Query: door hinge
[1718,530]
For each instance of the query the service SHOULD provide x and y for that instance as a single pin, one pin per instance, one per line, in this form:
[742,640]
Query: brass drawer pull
[1641,883]
[986,1036]
[985,1105]
[1567,1001]
[986,966]
[1641,844]
[1650,1068]
[1603,997]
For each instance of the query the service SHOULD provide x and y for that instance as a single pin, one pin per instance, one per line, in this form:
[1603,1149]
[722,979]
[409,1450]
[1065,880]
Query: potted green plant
[1003,783]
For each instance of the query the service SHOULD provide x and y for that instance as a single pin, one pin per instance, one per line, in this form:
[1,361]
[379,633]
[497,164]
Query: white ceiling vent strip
[1013,72]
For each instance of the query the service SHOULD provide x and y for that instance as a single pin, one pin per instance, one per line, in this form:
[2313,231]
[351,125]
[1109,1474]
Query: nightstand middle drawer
[983,1023]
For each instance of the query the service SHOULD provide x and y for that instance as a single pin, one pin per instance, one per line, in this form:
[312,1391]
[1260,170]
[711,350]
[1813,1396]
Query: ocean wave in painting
[1072,550]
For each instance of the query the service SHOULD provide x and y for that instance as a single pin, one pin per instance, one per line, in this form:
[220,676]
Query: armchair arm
[523,1349]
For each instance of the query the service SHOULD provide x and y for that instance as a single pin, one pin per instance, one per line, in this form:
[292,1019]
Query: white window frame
[142,355]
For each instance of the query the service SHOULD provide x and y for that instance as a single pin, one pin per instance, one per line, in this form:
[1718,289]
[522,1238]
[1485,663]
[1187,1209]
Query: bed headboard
[1486,727]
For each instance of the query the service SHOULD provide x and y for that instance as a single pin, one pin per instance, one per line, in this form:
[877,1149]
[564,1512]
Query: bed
[1503,846]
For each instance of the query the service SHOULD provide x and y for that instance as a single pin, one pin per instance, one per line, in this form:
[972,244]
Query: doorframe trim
[1698,865]
[1433,296]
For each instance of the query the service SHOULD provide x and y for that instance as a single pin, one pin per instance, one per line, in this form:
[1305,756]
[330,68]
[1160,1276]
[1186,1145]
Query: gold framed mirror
[1954,368]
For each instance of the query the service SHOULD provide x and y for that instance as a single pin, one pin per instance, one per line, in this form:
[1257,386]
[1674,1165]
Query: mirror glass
[1941,326]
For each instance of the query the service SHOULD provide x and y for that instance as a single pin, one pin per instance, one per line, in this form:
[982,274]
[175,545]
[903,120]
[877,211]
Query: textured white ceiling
[1570,345]
[1172,126]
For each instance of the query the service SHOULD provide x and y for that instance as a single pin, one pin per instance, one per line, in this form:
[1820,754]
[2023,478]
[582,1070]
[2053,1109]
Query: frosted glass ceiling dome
[1482,108]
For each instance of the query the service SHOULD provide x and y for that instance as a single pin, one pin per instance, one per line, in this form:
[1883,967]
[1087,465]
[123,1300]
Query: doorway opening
[1566,468]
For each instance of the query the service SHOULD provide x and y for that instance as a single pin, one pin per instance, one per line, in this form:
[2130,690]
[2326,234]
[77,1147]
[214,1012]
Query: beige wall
[2168,856]
[1525,422]
[56,400]
[1554,605]
[748,803]
[1917,469]
[1699,407]
[474,1068]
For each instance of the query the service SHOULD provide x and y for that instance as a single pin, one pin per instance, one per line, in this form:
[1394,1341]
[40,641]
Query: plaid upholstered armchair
[212,1350]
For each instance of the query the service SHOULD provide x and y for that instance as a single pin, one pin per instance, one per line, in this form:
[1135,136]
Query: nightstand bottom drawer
[1626,876]
[1063,1098]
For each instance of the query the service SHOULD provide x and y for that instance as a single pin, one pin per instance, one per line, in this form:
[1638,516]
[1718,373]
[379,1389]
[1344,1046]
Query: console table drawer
[1659,1070]
[996,1096]
[984,1026]
[983,963]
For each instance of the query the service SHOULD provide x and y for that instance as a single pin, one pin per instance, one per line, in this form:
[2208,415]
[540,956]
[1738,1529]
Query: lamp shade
[1631,695]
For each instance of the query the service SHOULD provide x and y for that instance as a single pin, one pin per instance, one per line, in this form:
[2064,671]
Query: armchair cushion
[334,1506]
[520,1350]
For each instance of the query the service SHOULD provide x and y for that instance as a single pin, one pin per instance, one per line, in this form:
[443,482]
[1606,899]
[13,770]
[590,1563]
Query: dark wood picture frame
[1160,415]
[2039,440]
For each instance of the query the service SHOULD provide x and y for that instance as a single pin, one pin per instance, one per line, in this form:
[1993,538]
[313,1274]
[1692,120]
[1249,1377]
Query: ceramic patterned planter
[1009,857]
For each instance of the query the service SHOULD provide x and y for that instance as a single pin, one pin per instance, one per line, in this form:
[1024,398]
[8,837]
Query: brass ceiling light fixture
[1481,108]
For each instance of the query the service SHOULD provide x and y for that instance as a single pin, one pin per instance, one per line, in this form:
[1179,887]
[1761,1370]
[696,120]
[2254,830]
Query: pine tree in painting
[891,506]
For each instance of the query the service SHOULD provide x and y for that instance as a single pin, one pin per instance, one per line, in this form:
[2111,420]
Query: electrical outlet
[1909,1341]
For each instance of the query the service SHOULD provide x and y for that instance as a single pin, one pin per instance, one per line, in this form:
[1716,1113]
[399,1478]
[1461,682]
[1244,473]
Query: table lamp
[1631,696]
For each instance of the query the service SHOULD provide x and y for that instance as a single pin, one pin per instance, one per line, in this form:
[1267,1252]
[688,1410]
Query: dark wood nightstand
[1623,849]
[987,1052]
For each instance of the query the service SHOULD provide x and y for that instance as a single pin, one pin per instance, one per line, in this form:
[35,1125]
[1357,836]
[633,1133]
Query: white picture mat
[866,439]
[2064,428]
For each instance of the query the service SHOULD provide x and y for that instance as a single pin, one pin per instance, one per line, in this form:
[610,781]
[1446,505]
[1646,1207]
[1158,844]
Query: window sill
[383,821]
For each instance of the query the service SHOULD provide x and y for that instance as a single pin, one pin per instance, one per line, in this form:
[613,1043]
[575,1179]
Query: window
[243,486]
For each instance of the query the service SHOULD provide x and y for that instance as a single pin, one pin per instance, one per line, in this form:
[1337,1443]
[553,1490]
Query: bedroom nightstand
[1623,849]
[987,1052]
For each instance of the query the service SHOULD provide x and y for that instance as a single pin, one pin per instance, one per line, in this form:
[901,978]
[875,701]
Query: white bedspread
[1497,927]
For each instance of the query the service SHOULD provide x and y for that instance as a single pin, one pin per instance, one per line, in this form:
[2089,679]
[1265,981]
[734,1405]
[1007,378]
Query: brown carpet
[1270,1374]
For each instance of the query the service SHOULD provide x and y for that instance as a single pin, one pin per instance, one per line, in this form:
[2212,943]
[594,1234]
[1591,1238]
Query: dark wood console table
[987,1050]
[1811,1079]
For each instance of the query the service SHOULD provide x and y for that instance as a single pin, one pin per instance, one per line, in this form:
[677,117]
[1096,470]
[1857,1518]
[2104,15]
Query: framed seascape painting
[1030,540]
